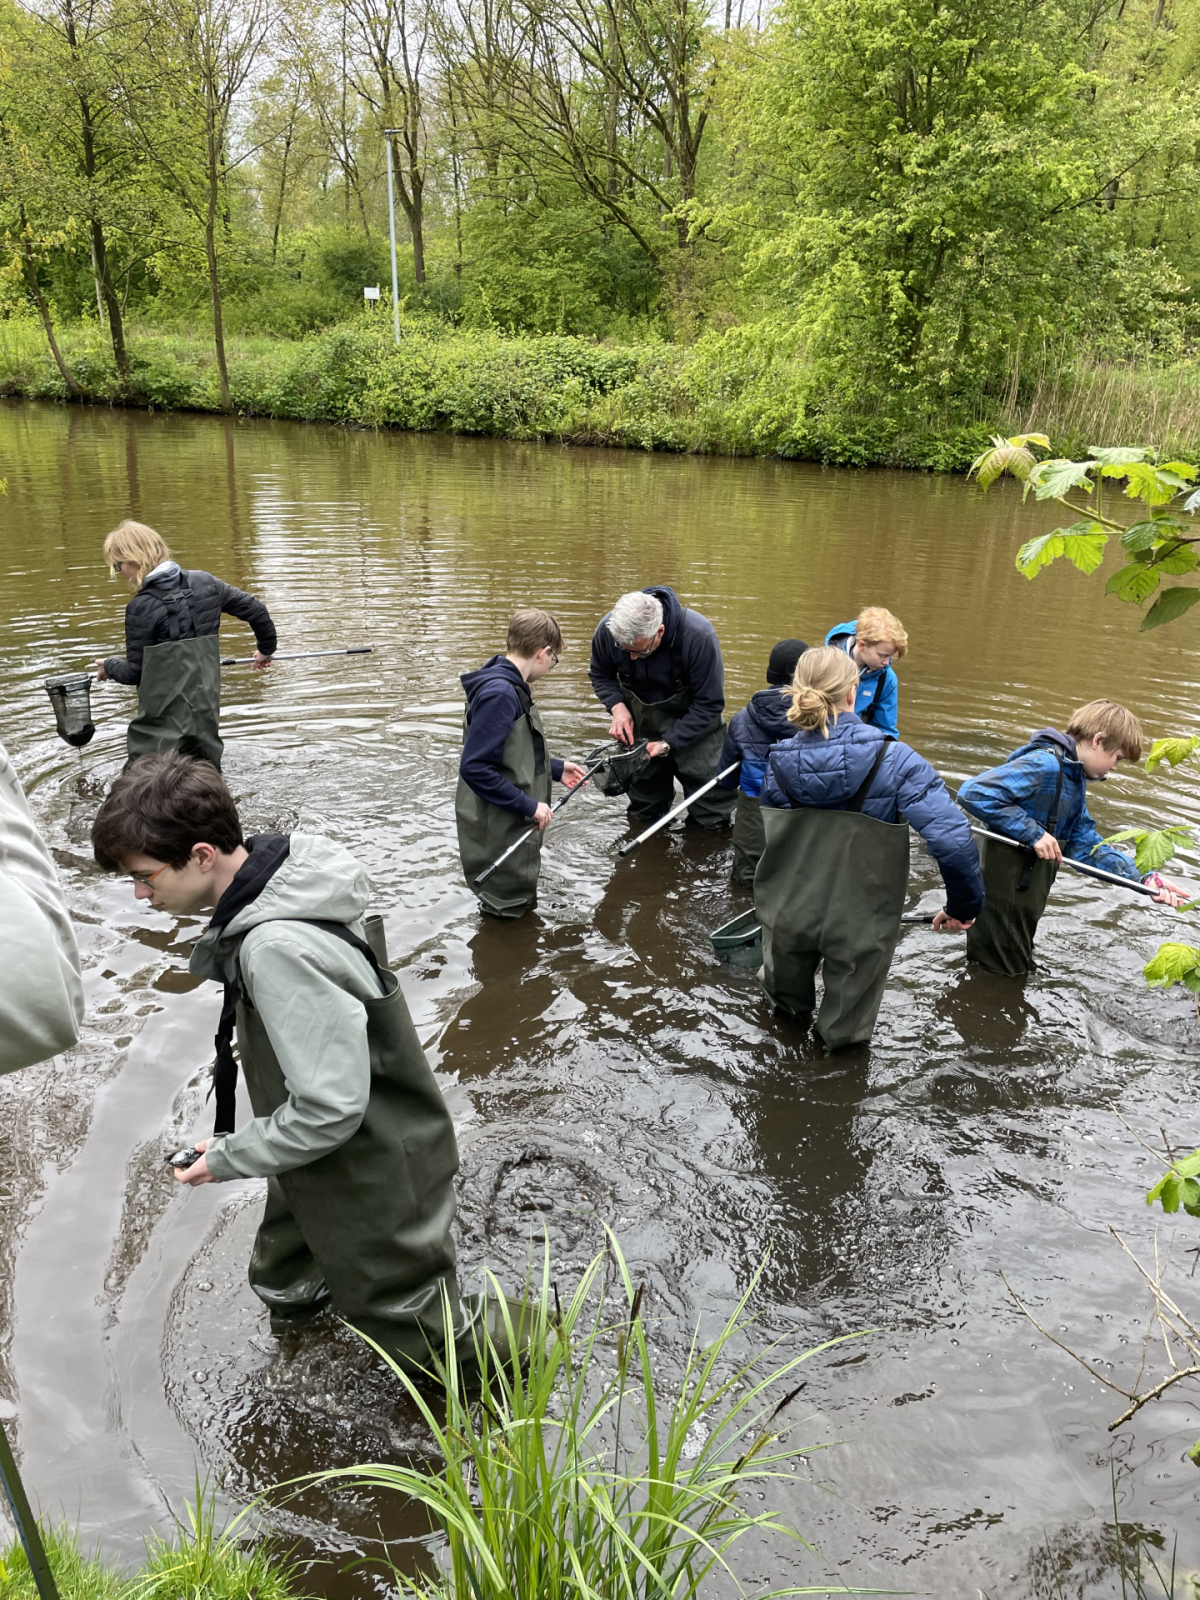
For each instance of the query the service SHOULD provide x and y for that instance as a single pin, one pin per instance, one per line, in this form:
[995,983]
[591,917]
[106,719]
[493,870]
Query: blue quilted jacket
[809,770]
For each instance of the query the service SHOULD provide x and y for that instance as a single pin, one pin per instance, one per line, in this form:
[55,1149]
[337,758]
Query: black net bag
[620,769]
[71,697]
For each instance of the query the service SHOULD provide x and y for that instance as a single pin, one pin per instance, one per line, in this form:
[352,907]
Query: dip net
[71,697]
[620,768]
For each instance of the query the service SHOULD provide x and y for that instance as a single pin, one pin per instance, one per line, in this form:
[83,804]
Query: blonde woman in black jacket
[172,652]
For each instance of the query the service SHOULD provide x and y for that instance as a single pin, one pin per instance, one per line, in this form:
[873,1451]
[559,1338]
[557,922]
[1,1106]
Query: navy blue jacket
[494,702]
[878,697]
[148,617]
[1017,799]
[751,733]
[689,642]
[809,770]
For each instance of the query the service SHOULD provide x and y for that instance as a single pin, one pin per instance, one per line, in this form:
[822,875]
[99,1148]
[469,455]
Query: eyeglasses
[148,877]
[553,653]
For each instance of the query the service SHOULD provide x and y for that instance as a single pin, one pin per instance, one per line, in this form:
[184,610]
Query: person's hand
[1167,893]
[1048,848]
[657,748]
[198,1171]
[258,661]
[621,726]
[945,923]
[572,774]
[101,675]
[542,816]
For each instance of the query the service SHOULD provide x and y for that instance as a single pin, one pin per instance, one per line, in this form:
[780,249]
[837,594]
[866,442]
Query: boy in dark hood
[505,774]
[1038,798]
[751,733]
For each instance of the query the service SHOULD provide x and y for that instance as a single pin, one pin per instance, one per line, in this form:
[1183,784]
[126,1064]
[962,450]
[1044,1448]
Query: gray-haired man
[657,667]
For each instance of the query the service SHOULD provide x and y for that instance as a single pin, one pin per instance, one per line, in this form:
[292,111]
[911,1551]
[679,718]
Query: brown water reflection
[603,1068]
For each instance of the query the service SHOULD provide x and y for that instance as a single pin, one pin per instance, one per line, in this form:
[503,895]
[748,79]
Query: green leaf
[1119,456]
[1152,485]
[1169,964]
[1084,550]
[1193,1454]
[1022,439]
[1190,1196]
[1188,1166]
[1184,468]
[1172,751]
[1051,479]
[1166,1191]
[1133,583]
[1006,455]
[1172,603]
[1143,535]
[1182,560]
[1154,847]
[1039,553]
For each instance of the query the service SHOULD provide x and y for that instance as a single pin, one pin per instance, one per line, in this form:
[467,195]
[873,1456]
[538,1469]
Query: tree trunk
[214,276]
[112,304]
[39,299]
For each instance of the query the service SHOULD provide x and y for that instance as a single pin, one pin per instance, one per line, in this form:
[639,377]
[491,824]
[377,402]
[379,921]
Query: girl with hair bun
[838,801]
[172,652]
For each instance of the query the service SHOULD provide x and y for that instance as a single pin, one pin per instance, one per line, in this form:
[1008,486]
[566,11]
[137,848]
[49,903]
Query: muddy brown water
[601,1065]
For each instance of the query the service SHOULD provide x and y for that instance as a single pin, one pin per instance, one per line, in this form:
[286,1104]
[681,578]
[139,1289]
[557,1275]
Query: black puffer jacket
[148,617]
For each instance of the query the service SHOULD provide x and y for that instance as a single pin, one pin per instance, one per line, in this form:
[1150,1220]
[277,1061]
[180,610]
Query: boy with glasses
[505,774]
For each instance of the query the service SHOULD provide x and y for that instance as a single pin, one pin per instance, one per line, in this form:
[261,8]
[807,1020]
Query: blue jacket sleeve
[493,713]
[996,798]
[1083,844]
[888,710]
[706,674]
[731,751]
[921,797]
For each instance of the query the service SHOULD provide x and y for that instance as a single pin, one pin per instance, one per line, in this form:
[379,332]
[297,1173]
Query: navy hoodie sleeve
[921,797]
[493,712]
[706,675]
[602,669]
[731,750]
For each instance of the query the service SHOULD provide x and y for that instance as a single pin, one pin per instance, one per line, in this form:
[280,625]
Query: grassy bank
[744,392]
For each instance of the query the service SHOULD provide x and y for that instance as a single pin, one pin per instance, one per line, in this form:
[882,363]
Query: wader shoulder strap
[856,800]
[1031,859]
[224,1075]
[179,606]
[525,700]
[868,713]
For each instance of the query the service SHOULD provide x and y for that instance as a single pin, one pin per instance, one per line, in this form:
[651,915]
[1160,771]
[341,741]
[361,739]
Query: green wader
[179,697]
[652,793]
[830,889]
[749,839]
[485,831]
[1016,886]
[367,1226]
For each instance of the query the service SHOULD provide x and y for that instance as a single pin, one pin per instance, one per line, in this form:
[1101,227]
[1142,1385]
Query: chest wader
[485,831]
[367,1226]
[179,697]
[830,889]
[652,794]
[749,839]
[1016,886]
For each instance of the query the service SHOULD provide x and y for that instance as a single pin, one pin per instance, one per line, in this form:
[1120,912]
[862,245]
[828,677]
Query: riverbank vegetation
[864,233]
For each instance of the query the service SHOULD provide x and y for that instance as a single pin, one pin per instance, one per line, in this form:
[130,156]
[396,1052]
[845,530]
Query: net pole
[1076,866]
[678,810]
[557,806]
[27,1528]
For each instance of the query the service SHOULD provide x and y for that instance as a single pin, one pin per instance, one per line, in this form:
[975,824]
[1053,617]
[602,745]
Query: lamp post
[388,132]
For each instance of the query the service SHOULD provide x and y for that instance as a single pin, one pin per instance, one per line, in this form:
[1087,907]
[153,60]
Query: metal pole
[388,132]
[1076,866]
[301,655]
[557,806]
[31,1538]
[681,807]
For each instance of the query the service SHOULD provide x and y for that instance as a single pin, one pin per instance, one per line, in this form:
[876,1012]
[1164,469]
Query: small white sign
[371,294]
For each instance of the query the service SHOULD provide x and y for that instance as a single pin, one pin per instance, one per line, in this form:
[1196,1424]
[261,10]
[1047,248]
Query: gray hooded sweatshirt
[308,988]
[41,991]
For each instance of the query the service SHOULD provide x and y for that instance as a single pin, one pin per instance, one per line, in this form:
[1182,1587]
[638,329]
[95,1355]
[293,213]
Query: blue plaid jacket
[1017,799]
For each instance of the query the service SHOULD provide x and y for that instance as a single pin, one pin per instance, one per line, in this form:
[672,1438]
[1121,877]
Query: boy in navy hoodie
[752,731]
[1038,798]
[505,773]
